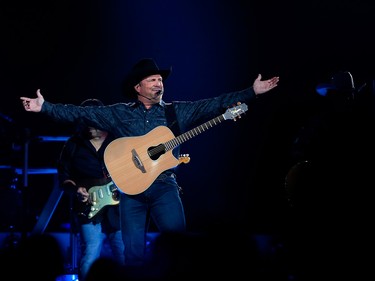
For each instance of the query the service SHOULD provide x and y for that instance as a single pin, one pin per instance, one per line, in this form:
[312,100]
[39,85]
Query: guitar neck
[173,143]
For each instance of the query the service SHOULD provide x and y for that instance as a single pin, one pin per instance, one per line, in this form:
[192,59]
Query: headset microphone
[157,93]
[143,96]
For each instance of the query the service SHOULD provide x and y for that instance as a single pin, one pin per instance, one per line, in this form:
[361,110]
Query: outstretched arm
[33,105]
[261,87]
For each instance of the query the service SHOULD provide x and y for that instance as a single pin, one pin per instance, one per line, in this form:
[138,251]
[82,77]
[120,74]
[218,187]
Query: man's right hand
[82,194]
[33,105]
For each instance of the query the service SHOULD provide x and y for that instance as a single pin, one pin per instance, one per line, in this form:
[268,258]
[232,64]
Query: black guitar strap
[172,123]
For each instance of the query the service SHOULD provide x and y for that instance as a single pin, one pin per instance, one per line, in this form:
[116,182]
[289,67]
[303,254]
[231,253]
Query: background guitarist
[146,110]
[81,167]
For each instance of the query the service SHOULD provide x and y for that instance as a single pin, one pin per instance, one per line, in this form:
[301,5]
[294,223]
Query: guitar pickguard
[100,196]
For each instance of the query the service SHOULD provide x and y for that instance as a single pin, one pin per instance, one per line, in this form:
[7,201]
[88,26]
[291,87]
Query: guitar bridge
[137,162]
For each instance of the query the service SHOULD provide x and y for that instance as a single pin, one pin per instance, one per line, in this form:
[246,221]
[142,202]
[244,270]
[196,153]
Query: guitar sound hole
[156,151]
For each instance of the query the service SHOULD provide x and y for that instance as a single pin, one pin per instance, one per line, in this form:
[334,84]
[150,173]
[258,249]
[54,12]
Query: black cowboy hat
[340,82]
[92,102]
[81,126]
[142,69]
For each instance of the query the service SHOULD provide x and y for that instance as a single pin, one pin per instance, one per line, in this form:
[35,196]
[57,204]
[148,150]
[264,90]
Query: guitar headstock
[184,158]
[236,111]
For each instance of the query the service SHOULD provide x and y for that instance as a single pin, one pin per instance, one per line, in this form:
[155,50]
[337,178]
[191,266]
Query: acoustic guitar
[135,162]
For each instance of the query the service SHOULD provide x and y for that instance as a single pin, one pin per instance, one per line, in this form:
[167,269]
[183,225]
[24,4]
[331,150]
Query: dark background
[73,50]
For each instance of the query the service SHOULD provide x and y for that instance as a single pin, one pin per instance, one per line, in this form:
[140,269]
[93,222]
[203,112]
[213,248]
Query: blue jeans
[162,203]
[91,241]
